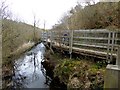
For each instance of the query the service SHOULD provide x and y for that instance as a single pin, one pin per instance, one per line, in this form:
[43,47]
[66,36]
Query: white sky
[45,10]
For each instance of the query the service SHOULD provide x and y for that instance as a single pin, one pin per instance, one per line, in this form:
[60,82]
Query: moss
[85,71]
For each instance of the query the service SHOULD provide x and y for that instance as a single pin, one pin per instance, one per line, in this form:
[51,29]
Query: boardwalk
[87,52]
[100,43]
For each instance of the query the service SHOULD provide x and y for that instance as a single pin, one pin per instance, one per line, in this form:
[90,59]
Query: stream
[28,71]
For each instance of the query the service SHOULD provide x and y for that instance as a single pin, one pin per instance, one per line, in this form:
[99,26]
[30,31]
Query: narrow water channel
[28,69]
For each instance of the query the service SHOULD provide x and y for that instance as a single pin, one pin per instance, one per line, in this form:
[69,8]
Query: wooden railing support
[108,47]
[71,43]
[118,58]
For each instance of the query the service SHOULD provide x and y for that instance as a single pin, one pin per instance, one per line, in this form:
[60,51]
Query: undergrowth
[89,74]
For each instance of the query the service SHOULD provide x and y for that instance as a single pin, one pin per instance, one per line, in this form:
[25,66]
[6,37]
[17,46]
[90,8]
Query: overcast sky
[45,10]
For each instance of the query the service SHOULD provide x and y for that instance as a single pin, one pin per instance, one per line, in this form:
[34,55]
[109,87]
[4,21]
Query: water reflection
[28,69]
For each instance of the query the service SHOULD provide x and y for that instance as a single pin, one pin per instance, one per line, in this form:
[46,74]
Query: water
[28,68]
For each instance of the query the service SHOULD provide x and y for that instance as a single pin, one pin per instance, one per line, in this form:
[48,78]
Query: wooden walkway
[86,52]
[100,43]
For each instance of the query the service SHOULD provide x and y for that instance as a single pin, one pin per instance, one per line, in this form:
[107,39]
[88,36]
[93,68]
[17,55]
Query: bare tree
[35,25]
[4,10]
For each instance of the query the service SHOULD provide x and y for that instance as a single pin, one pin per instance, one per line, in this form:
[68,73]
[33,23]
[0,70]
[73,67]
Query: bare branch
[4,10]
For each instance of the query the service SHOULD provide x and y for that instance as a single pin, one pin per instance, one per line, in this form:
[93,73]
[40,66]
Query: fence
[100,41]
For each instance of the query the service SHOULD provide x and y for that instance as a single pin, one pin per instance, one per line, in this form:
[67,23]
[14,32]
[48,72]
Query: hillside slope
[15,34]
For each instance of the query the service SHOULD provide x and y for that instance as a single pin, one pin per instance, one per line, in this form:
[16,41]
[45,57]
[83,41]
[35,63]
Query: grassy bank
[16,38]
[77,73]
[17,53]
[80,74]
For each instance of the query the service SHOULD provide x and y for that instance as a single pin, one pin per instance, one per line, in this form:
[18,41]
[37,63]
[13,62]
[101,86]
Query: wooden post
[61,38]
[71,43]
[108,46]
[118,57]
[46,37]
[51,39]
[0,53]
[41,36]
[113,39]
[116,35]
[55,37]
[118,63]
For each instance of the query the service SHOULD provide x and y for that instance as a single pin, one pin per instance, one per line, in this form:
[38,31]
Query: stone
[112,77]
[74,83]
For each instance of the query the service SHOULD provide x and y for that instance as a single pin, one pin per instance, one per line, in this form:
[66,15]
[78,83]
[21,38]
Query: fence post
[113,40]
[118,57]
[71,43]
[61,38]
[0,53]
[46,37]
[51,39]
[108,46]
[41,35]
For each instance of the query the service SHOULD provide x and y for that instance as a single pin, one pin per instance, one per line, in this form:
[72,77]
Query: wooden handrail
[98,38]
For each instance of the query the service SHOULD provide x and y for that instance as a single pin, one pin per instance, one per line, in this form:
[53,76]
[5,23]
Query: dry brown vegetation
[95,16]
[15,34]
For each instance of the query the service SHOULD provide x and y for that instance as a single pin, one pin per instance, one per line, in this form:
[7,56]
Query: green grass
[67,69]
[86,71]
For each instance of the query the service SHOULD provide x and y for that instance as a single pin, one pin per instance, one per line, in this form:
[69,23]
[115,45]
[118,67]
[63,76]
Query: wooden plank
[92,51]
[86,51]
[93,31]
[96,31]
[92,38]
[89,45]
[97,44]
[90,30]
[93,43]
